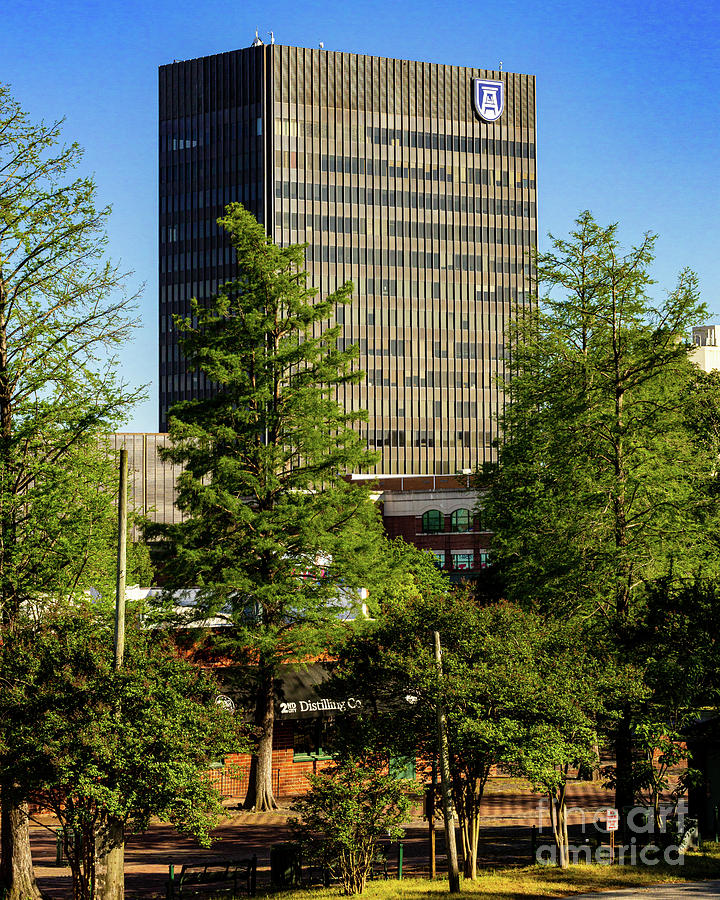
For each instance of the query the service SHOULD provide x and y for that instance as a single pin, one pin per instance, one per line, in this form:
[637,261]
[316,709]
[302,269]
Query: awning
[301,692]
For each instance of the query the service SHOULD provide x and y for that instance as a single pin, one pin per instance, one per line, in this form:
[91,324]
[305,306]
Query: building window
[484,560]
[462,561]
[433,521]
[402,767]
[311,740]
[438,558]
[461,520]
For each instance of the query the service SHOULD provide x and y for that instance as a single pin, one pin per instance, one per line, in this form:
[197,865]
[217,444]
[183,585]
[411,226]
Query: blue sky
[628,108]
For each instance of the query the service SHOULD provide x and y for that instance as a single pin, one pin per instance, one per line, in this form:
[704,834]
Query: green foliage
[94,744]
[674,645]
[510,691]
[661,748]
[348,809]
[273,525]
[275,536]
[601,482]
[675,640]
[61,310]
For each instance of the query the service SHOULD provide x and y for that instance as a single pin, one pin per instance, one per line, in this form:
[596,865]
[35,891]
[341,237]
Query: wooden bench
[209,879]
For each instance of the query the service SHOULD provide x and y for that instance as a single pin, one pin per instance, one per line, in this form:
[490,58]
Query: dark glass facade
[384,168]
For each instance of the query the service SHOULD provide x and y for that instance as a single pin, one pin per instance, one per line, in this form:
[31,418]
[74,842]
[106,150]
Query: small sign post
[611,825]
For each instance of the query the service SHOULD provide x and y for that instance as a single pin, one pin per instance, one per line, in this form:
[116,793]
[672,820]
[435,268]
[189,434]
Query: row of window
[401,313]
[398,438]
[390,317]
[353,165]
[397,137]
[433,521]
[409,228]
[405,137]
[234,134]
[459,561]
[209,171]
[338,255]
[440,349]
[430,379]
[414,228]
[207,259]
[416,259]
[217,120]
[174,199]
[287,190]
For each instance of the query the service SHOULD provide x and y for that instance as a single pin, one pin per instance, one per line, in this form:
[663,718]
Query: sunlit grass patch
[532,881]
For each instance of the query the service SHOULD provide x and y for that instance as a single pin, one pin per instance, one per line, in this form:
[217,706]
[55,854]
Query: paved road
[689,889]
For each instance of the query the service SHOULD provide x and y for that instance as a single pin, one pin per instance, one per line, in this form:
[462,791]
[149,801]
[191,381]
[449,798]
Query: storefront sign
[296,709]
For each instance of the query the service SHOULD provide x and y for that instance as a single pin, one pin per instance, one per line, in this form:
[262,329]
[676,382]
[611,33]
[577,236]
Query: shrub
[348,808]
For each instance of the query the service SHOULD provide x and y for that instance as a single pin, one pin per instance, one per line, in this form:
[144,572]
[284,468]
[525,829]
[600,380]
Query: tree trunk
[624,788]
[110,860]
[17,878]
[445,780]
[260,790]
[474,829]
[558,819]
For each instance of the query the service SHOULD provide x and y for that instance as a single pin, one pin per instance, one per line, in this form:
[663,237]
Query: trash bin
[285,865]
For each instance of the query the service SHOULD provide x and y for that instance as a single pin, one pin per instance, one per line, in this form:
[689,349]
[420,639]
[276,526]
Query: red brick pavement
[506,819]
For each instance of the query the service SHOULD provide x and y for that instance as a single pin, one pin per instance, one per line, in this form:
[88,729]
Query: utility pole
[431,819]
[110,834]
[121,563]
[453,871]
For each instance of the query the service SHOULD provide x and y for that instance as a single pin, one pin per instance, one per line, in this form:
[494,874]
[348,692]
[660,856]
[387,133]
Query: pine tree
[275,536]
[602,481]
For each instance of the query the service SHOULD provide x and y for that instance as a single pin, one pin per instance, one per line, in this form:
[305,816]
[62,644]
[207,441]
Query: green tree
[275,536]
[601,484]
[347,810]
[504,699]
[62,310]
[94,744]
[569,716]
[674,644]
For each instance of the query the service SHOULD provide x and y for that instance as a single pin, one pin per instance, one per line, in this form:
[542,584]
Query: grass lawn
[535,881]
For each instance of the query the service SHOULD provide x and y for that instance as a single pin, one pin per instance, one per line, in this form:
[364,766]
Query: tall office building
[414,181]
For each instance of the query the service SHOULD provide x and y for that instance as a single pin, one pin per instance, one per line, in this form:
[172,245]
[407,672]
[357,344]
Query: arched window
[433,521]
[461,520]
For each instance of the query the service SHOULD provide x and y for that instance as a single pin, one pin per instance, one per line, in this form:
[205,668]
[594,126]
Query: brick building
[434,512]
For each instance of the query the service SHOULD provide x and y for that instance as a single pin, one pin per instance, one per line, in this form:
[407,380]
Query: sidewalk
[688,890]
[506,821]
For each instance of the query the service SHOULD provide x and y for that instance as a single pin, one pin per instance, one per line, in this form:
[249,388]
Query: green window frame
[461,520]
[433,521]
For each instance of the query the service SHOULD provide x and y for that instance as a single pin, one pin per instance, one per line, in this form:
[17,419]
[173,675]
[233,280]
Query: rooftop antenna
[501,65]
[321,45]
[257,42]
[272,37]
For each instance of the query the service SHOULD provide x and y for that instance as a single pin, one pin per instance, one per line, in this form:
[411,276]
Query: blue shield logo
[489,98]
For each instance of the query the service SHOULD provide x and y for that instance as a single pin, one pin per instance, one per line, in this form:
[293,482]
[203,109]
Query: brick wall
[289,777]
